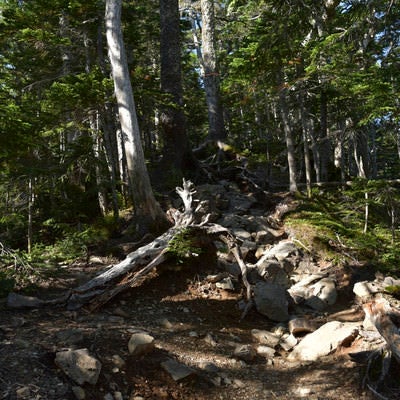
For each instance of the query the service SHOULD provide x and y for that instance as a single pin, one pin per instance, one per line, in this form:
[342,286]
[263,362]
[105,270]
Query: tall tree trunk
[216,130]
[324,141]
[306,147]
[148,212]
[284,110]
[177,155]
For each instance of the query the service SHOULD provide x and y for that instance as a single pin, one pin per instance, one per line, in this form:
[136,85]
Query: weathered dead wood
[386,319]
[138,264]
[131,271]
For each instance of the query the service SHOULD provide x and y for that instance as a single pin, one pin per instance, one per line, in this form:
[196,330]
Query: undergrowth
[332,225]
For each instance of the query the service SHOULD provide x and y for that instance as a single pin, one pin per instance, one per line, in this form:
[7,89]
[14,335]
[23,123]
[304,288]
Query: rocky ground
[194,321]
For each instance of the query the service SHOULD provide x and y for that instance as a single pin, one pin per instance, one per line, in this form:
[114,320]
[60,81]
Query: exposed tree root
[386,320]
[137,265]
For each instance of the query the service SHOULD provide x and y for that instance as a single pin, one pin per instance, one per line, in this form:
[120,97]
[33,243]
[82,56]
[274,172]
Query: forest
[306,92]
[108,107]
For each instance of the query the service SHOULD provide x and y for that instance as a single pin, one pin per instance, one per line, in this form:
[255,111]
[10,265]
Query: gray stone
[270,300]
[324,341]
[265,337]
[244,352]
[265,351]
[118,396]
[225,284]
[287,342]
[272,271]
[209,339]
[15,300]
[365,289]
[241,233]
[140,343]
[325,289]
[282,250]
[298,326]
[165,323]
[208,367]
[118,361]
[177,370]
[316,290]
[79,365]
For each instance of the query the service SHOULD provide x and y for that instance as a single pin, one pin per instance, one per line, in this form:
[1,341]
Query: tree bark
[216,130]
[177,154]
[289,141]
[148,212]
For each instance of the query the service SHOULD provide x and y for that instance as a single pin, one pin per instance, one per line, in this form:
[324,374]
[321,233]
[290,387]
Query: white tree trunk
[210,72]
[146,207]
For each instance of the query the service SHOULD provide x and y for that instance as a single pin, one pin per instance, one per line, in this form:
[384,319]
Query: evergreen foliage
[336,62]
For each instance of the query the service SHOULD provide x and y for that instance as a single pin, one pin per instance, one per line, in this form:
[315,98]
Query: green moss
[331,225]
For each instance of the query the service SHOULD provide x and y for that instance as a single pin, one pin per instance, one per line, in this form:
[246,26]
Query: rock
[324,341]
[225,284]
[177,370]
[209,339]
[315,303]
[287,342]
[79,365]
[23,392]
[265,351]
[317,291]
[298,326]
[270,300]
[118,396]
[365,289]
[78,392]
[282,250]
[165,323]
[118,361]
[265,337]
[238,383]
[325,289]
[15,300]
[140,343]
[241,233]
[208,367]
[272,271]
[245,352]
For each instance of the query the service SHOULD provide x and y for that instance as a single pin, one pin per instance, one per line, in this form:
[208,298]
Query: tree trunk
[177,154]
[306,147]
[289,141]
[148,212]
[216,130]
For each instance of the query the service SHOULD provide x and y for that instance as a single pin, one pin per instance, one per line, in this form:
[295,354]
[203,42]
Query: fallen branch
[137,265]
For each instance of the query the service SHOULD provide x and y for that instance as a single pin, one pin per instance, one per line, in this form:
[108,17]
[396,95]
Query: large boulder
[270,300]
[324,341]
[79,365]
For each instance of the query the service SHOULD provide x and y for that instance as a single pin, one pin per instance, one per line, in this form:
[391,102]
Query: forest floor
[192,322]
[188,327]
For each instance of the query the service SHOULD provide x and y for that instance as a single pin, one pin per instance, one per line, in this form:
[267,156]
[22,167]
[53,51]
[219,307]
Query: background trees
[310,90]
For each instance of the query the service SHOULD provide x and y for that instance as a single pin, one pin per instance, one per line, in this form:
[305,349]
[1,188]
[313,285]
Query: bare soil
[192,321]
